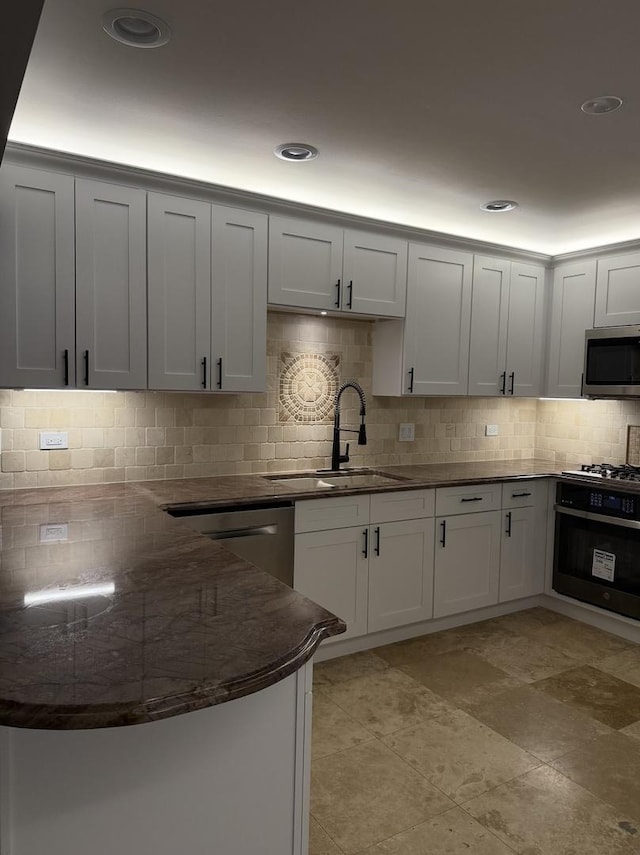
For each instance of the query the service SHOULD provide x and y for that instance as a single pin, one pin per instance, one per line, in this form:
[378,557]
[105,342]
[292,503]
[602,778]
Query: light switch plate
[407,433]
[491,430]
[51,440]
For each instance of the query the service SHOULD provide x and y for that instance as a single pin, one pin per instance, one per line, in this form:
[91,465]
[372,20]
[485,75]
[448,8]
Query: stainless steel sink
[335,480]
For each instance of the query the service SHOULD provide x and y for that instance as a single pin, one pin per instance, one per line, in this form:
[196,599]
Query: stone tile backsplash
[144,435]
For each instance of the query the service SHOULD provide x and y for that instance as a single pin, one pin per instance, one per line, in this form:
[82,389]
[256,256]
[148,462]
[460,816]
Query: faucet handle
[344,458]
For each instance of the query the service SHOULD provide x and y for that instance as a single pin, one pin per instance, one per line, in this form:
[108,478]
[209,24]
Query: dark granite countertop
[169,621]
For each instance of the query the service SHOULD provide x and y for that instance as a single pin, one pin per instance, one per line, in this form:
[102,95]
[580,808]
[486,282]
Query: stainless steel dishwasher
[261,533]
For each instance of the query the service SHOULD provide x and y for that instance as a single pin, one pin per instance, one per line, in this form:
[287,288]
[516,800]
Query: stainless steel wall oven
[597,546]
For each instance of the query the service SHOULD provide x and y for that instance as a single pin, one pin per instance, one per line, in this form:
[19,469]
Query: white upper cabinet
[179,292]
[572,309]
[526,332]
[111,286]
[428,353]
[207,296]
[618,291]
[318,266]
[507,328]
[489,324]
[239,300]
[375,275]
[37,279]
[305,264]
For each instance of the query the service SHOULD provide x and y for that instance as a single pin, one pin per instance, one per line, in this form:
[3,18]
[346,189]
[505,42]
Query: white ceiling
[421,109]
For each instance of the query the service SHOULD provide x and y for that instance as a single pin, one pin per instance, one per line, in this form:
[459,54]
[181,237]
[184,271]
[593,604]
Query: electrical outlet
[50,440]
[54,532]
[491,430]
[407,433]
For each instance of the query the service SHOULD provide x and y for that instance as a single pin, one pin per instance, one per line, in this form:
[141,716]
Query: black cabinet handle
[66,367]
[337,302]
[443,539]
[519,495]
[219,383]
[377,546]
[365,551]
[204,372]
[474,499]
[512,382]
[503,382]
[350,302]
[411,379]
[86,368]
[508,530]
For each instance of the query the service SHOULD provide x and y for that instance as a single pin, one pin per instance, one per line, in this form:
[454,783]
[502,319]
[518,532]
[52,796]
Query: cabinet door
[305,264]
[522,553]
[111,286]
[526,333]
[572,309]
[331,568]
[375,274]
[239,300]
[37,269]
[618,291]
[489,321]
[400,573]
[438,319]
[467,562]
[179,259]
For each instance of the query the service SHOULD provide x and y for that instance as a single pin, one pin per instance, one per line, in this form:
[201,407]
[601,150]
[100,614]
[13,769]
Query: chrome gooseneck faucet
[336,457]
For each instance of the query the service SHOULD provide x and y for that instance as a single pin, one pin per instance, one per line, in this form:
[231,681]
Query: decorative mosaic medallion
[308,386]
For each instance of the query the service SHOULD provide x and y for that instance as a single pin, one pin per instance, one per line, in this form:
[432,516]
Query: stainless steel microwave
[612,362]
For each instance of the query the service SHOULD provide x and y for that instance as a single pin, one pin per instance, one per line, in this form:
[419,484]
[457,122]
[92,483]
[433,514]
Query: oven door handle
[601,518]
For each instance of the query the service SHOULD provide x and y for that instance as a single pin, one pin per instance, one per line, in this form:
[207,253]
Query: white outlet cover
[53,440]
[491,430]
[54,532]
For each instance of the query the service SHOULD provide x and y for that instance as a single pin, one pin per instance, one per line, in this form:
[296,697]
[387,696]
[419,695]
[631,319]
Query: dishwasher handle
[249,531]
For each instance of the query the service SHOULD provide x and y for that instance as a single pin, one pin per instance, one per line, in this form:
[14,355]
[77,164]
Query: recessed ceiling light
[499,206]
[295,151]
[603,104]
[136,27]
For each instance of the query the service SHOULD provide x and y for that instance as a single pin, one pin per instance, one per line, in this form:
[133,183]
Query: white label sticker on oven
[604,565]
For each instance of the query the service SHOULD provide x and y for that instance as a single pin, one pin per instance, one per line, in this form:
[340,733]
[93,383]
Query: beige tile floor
[519,734]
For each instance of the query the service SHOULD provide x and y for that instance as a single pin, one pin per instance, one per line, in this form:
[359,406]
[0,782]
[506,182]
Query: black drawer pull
[474,499]
[508,517]
[220,373]
[443,539]
[365,551]
[204,372]
[350,300]
[503,382]
[337,302]
[512,382]
[376,548]
[86,368]
[411,379]
[519,495]
[66,368]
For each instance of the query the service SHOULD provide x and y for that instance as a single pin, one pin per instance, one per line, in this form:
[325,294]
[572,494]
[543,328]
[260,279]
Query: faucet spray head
[362,433]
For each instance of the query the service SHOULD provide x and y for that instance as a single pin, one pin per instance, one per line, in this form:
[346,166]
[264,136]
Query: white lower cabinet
[331,568]
[522,552]
[400,573]
[467,562]
[375,575]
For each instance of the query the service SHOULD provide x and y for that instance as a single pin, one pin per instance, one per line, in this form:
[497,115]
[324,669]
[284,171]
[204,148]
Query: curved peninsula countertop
[134,617]
[127,616]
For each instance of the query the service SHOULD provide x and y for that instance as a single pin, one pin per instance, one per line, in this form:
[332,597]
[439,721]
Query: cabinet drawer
[339,512]
[402,505]
[520,494]
[468,499]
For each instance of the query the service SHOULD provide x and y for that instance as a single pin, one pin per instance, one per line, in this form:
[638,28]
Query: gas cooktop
[623,472]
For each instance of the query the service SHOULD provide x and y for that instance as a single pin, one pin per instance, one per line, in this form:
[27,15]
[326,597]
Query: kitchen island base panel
[231,779]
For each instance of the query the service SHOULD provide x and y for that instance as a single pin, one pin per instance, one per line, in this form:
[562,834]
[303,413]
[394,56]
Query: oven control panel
[610,503]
